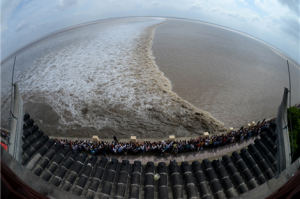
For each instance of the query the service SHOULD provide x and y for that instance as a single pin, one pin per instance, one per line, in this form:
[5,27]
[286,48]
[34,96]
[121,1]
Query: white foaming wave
[96,70]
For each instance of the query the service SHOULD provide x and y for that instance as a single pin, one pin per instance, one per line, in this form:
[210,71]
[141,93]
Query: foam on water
[88,71]
[91,76]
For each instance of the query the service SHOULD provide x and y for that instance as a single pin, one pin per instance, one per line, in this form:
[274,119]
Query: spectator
[162,147]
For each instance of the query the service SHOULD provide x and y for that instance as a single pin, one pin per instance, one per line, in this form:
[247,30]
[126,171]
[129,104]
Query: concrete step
[247,157]
[225,180]
[62,170]
[244,170]
[74,172]
[201,181]
[122,181]
[85,175]
[213,179]
[57,160]
[261,161]
[109,178]
[91,177]
[46,159]
[32,161]
[33,148]
[96,178]
[116,179]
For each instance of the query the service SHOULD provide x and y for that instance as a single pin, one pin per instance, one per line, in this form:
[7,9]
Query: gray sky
[273,21]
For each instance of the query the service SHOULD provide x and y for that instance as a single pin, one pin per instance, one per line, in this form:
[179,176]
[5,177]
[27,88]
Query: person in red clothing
[4,146]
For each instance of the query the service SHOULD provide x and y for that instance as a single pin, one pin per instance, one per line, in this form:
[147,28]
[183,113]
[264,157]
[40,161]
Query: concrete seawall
[51,191]
[34,181]
[272,185]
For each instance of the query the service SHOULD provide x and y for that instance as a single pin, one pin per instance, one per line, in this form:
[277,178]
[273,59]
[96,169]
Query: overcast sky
[273,21]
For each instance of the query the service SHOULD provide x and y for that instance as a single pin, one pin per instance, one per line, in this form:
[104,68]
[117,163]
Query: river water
[102,79]
[235,77]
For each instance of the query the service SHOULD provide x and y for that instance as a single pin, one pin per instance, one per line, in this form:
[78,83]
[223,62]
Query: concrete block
[21,172]
[291,170]
[274,183]
[34,181]
[133,139]
[33,161]
[55,193]
[172,137]
[7,158]
[96,138]
[261,191]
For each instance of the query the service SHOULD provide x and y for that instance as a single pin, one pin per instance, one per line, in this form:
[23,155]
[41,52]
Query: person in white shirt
[192,147]
[154,147]
[115,149]
[143,148]
[159,147]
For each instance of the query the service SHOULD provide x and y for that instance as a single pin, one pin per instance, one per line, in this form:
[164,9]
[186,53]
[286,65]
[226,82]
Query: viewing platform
[248,169]
[205,174]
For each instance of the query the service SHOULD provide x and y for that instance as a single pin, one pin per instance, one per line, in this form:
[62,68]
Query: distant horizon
[275,22]
[94,21]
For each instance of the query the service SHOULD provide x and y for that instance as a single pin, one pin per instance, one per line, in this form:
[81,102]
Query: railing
[15,141]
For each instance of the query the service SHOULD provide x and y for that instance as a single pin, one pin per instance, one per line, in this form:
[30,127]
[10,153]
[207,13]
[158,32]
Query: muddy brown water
[236,78]
[100,79]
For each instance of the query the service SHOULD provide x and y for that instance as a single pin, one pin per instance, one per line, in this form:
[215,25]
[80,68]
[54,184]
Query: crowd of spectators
[166,147]
[4,133]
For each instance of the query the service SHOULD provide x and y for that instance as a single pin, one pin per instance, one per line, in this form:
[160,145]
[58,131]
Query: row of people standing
[165,147]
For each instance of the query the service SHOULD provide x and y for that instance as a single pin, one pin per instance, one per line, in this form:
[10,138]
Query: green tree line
[295,117]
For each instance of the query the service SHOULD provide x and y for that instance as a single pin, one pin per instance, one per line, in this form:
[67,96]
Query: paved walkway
[211,154]
[5,129]
[4,140]
[127,140]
